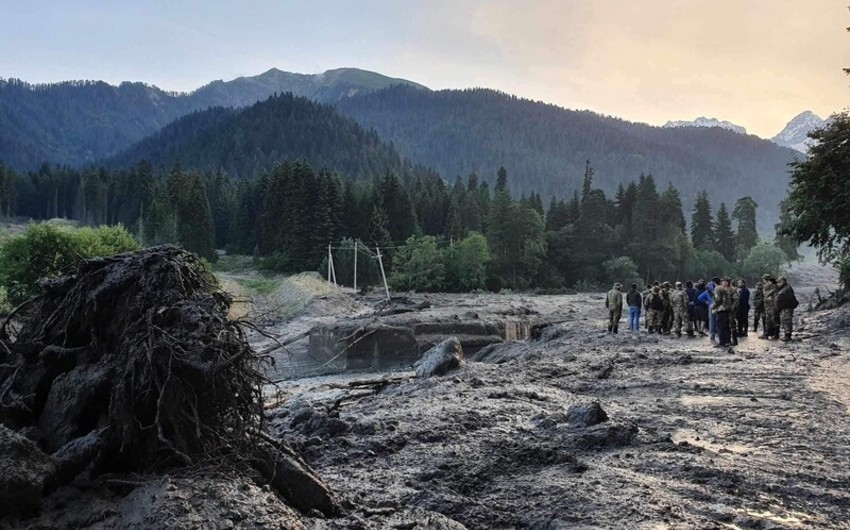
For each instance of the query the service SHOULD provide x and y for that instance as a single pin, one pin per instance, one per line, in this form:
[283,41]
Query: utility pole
[383,274]
[329,263]
[355,266]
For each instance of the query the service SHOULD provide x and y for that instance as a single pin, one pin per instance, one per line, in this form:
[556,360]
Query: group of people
[716,308]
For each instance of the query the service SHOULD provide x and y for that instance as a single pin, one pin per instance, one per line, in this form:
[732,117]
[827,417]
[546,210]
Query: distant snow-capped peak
[702,121]
[795,134]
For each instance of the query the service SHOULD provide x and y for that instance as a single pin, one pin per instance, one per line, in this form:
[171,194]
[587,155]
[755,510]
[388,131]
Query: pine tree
[702,223]
[670,206]
[587,183]
[723,235]
[746,236]
[574,208]
[501,181]
[401,217]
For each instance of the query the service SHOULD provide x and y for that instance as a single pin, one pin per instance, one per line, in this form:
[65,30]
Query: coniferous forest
[434,235]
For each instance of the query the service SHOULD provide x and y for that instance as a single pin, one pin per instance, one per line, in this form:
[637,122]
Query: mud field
[693,437]
[571,428]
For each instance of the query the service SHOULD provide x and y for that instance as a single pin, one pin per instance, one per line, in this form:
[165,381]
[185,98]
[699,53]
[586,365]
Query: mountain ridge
[82,122]
[702,121]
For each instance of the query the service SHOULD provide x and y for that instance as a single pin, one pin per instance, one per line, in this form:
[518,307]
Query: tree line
[434,235]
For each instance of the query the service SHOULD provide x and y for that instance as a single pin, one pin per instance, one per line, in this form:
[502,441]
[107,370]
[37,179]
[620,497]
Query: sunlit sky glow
[756,63]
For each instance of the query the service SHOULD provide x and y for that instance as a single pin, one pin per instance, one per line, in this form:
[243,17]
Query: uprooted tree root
[135,356]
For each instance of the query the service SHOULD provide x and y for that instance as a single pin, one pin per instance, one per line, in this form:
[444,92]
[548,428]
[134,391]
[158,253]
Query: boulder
[586,414]
[75,456]
[75,401]
[24,470]
[440,359]
[298,484]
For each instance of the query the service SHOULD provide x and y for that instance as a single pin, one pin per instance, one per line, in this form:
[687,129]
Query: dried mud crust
[695,437]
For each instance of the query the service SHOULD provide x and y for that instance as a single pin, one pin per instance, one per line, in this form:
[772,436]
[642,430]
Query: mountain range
[82,122]
[222,126]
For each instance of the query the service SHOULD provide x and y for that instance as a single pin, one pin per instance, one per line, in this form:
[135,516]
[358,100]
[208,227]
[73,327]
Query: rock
[74,403]
[440,359]
[24,470]
[586,414]
[75,456]
[299,485]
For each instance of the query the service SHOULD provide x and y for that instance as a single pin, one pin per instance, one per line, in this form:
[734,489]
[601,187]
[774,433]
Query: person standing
[702,306]
[733,314]
[743,317]
[712,316]
[691,291]
[656,306]
[667,312]
[679,303]
[758,305]
[635,301]
[770,325]
[614,303]
[786,303]
[721,307]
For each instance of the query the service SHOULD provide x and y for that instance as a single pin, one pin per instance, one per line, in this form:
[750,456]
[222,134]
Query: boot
[785,338]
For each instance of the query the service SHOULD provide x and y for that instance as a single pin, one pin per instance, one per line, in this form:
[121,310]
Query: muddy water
[696,437]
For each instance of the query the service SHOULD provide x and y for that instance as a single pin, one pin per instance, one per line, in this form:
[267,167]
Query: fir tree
[702,223]
[723,235]
[746,236]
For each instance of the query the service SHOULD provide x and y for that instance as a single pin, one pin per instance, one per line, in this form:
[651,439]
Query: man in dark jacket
[743,309]
[635,302]
[786,303]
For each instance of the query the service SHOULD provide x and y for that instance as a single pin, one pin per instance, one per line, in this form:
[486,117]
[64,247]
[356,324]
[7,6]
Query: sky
[756,63]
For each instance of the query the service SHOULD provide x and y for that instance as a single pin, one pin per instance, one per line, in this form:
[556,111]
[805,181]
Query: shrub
[764,258]
[622,270]
[418,266]
[45,250]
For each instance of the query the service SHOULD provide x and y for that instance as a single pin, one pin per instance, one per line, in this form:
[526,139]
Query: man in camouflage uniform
[667,312]
[614,303]
[723,305]
[771,326]
[655,305]
[758,304]
[679,303]
[786,302]
[733,315]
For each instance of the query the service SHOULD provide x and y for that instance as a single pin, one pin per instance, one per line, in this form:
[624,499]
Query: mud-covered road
[695,436]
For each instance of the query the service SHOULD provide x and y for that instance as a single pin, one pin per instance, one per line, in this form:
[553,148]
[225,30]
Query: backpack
[656,302]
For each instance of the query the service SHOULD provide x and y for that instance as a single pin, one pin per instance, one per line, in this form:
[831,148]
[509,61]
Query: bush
[418,266]
[710,263]
[764,258]
[466,264]
[45,250]
[622,270]
[5,305]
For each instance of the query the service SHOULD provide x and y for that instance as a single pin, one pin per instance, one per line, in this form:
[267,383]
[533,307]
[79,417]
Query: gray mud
[573,429]
[695,437]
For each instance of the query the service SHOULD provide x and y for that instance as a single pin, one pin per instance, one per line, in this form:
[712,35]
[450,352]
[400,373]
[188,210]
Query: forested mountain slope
[80,122]
[545,147]
[244,142]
